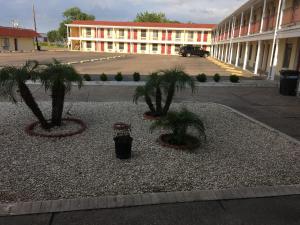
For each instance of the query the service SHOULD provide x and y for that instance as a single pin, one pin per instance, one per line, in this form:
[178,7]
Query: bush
[201,77]
[119,77]
[217,77]
[103,77]
[234,78]
[136,76]
[87,77]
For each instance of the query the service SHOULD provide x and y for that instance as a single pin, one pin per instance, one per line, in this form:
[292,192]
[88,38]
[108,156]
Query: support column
[246,56]
[222,54]
[263,16]
[250,20]
[274,61]
[226,53]
[258,57]
[237,54]
[219,54]
[242,20]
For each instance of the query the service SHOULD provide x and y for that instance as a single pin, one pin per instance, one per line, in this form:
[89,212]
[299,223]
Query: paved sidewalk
[259,211]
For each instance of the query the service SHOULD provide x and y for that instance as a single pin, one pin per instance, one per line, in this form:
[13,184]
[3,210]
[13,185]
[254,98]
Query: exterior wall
[166,39]
[271,24]
[23,44]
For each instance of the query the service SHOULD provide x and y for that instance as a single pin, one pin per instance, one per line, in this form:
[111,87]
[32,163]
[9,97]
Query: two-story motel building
[262,36]
[136,37]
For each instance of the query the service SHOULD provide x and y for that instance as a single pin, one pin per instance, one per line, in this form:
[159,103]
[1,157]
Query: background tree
[53,36]
[153,17]
[70,15]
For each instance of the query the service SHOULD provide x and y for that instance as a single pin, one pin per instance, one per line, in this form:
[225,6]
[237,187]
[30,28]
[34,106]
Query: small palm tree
[14,78]
[59,77]
[163,85]
[178,123]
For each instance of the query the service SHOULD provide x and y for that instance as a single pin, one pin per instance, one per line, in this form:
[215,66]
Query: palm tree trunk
[58,98]
[149,103]
[169,99]
[158,101]
[31,103]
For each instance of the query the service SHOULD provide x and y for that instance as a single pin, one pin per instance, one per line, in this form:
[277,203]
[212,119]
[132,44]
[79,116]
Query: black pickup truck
[189,50]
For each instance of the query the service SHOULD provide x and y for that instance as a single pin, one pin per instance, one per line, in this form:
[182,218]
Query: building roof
[17,32]
[142,24]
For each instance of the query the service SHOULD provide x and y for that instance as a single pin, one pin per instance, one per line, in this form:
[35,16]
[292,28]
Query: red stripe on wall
[164,35]
[199,36]
[205,36]
[135,34]
[169,35]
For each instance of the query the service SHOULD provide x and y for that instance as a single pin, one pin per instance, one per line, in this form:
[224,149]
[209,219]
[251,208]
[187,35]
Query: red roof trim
[17,32]
[143,24]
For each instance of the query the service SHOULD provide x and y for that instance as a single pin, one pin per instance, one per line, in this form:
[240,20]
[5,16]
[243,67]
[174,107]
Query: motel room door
[16,44]
[135,48]
[163,49]
[169,49]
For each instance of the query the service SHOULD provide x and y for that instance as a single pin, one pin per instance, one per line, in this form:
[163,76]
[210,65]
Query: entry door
[128,48]
[169,49]
[135,47]
[162,49]
[16,44]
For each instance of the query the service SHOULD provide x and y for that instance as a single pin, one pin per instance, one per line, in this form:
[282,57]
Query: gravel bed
[238,153]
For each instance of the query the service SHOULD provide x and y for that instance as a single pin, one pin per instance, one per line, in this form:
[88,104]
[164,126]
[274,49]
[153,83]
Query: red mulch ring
[193,142]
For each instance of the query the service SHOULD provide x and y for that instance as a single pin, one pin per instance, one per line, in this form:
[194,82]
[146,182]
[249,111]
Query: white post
[237,55]
[250,20]
[246,56]
[242,20]
[281,14]
[226,53]
[263,16]
[222,55]
[258,57]
[274,63]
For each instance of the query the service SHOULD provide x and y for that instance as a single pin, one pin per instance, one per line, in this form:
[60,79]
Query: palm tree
[13,78]
[178,123]
[172,80]
[59,77]
[160,85]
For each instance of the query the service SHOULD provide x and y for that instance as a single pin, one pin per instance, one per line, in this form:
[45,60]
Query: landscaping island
[237,153]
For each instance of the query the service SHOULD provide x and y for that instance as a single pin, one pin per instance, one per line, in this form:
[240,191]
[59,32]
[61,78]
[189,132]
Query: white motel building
[262,36]
[137,37]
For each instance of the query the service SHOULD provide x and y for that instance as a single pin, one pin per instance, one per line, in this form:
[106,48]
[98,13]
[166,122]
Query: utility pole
[34,22]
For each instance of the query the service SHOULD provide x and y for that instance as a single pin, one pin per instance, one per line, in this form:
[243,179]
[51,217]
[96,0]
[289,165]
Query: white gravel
[238,153]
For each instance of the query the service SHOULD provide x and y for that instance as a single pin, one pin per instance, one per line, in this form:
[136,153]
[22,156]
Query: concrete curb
[64,205]
[94,60]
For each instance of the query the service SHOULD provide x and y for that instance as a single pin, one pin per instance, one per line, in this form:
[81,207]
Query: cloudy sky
[49,12]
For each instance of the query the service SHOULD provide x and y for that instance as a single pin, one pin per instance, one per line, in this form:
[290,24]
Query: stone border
[66,205]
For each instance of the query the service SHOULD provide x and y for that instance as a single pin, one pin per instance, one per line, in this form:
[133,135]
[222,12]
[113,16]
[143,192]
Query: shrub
[136,76]
[119,76]
[234,78]
[201,77]
[217,77]
[103,77]
[87,77]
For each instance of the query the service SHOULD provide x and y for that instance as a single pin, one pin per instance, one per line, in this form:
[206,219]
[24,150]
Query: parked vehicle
[189,50]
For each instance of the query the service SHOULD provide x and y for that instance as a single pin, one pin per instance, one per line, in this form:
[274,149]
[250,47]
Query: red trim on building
[164,35]
[143,24]
[169,35]
[17,32]
[135,34]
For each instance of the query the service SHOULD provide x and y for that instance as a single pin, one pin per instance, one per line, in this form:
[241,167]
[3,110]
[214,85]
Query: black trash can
[123,140]
[288,82]
[123,147]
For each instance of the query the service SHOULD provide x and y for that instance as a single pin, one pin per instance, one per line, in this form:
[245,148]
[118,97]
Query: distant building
[262,36]
[43,37]
[137,37]
[16,39]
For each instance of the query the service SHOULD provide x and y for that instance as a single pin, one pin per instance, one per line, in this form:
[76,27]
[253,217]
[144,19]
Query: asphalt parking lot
[127,64]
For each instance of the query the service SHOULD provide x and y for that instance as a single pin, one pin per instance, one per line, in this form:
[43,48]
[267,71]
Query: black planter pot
[123,146]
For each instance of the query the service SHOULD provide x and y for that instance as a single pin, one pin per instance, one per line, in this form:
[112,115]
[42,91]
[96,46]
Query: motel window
[110,45]
[143,47]
[287,55]
[88,44]
[154,47]
[143,34]
[177,48]
[88,32]
[109,32]
[121,46]
[121,33]
[178,34]
[6,43]
[190,35]
[155,34]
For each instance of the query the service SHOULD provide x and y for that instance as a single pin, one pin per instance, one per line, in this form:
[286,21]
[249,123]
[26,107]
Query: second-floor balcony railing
[291,15]
[255,27]
[269,23]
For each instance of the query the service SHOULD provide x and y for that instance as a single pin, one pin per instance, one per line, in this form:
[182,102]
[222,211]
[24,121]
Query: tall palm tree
[13,78]
[172,80]
[178,123]
[59,78]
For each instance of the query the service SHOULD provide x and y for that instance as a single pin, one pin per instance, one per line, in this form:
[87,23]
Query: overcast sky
[49,12]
